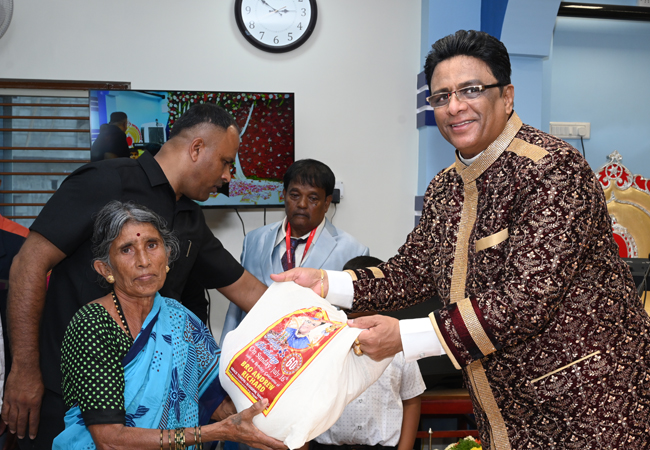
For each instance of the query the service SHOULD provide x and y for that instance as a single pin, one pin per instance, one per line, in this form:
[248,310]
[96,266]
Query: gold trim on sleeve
[474,327]
[376,272]
[352,273]
[491,241]
[432,318]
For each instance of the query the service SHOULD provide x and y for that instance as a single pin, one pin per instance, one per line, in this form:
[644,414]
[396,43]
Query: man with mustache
[540,312]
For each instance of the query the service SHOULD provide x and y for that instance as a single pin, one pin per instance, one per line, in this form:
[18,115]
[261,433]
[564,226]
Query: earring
[110,279]
[167,269]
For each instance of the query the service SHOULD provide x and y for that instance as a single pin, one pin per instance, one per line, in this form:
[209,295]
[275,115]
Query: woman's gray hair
[111,219]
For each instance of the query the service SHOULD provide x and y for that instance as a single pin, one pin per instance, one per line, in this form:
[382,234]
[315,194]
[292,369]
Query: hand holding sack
[295,349]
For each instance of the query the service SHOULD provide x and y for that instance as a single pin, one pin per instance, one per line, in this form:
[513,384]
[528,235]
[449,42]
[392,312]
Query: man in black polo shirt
[193,163]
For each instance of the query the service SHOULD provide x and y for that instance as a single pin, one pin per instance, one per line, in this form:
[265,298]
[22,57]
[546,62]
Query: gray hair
[111,219]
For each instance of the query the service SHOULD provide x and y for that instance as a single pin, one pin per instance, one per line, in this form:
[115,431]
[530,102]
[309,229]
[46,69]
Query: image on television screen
[267,135]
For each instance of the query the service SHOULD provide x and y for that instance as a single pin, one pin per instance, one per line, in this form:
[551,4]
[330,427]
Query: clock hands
[278,11]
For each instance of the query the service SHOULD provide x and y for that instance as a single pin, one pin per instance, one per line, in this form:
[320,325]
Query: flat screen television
[267,135]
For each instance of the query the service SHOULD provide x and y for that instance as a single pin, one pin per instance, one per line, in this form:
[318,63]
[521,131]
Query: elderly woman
[139,370]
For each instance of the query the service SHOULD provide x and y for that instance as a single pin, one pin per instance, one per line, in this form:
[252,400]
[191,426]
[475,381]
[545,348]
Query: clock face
[276,25]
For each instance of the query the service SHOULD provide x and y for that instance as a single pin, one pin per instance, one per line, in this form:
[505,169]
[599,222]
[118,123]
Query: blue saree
[171,376]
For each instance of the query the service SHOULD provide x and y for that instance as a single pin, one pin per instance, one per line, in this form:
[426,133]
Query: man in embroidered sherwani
[540,313]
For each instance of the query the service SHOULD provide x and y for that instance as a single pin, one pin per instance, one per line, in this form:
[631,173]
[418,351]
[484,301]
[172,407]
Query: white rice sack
[294,349]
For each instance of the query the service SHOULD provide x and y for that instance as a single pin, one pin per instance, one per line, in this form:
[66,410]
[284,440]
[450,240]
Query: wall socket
[339,185]
[643,3]
[571,130]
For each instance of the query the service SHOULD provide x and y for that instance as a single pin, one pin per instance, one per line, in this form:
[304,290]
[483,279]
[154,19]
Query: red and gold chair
[628,203]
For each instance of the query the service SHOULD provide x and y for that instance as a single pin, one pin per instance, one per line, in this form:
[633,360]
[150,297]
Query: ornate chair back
[628,203]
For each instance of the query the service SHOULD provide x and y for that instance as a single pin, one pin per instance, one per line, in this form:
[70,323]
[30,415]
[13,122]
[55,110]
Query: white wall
[354,82]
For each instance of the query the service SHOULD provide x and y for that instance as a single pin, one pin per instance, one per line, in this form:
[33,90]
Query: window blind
[44,136]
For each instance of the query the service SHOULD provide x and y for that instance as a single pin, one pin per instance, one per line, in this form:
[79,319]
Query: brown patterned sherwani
[540,312]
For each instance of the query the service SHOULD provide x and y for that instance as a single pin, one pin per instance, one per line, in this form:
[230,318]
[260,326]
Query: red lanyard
[288,243]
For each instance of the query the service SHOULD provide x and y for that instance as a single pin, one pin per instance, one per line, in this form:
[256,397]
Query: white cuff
[341,290]
[419,339]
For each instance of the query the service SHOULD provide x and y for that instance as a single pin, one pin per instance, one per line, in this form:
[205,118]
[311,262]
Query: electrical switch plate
[339,185]
[571,130]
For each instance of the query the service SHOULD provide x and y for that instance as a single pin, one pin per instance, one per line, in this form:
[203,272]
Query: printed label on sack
[268,365]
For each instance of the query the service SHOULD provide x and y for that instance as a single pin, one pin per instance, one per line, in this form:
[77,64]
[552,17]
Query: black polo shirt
[67,222]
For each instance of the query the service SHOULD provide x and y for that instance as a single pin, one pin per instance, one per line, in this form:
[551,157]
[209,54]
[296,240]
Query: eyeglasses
[463,95]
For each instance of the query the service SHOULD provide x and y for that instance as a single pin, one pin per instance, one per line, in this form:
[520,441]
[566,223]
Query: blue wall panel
[599,74]
[439,19]
[492,14]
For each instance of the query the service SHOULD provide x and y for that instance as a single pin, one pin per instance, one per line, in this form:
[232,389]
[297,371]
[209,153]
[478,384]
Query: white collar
[467,161]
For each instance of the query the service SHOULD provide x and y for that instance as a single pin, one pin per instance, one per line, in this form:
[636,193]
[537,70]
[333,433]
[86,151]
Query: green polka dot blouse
[91,361]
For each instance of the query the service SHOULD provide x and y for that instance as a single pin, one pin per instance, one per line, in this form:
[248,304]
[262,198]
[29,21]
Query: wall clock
[276,25]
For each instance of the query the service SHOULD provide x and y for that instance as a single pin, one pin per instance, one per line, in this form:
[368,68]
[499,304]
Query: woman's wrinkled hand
[225,409]
[240,428]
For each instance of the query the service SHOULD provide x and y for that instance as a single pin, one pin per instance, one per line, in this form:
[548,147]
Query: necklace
[120,313]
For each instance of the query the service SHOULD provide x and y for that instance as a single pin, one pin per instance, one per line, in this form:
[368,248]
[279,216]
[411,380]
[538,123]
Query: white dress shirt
[419,339]
[375,417]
